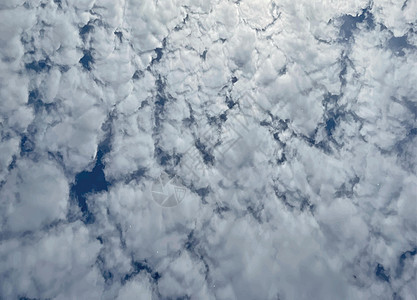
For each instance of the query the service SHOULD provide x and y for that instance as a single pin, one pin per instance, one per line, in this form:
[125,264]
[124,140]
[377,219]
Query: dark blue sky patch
[404,5]
[217,120]
[256,212]
[406,256]
[330,101]
[35,100]
[119,34]
[185,297]
[87,182]
[208,157]
[411,105]
[282,159]
[331,98]
[160,101]
[398,44]
[230,103]
[342,75]
[350,23]
[57,157]
[159,54]
[330,126]
[166,159]
[201,192]
[346,189]
[282,196]
[87,60]
[86,29]
[137,75]
[94,181]
[191,241]
[265,123]
[136,175]
[39,66]
[204,55]
[381,273]
[412,132]
[161,98]
[63,68]
[137,267]
[26,145]
[223,117]
[310,140]
[275,135]
[107,274]
[12,164]
[313,142]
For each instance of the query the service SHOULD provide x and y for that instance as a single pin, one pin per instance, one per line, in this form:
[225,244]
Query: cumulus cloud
[34,194]
[289,127]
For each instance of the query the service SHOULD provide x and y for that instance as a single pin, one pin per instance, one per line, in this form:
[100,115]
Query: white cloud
[134,289]
[34,195]
[296,148]
[55,264]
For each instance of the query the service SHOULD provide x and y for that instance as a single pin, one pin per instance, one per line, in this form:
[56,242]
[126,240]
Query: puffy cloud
[136,289]
[34,195]
[55,264]
[290,128]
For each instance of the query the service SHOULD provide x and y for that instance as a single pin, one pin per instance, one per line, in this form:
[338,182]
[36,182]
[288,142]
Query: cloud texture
[290,125]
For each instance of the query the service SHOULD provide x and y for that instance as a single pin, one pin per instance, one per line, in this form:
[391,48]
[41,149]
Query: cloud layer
[291,126]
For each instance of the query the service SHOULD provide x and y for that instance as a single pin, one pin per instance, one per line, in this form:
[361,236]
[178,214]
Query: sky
[217,149]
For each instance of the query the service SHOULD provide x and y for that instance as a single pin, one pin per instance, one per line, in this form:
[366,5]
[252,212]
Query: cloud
[58,263]
[34,195]
[291,127]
